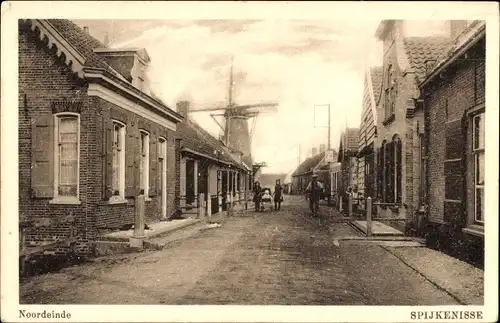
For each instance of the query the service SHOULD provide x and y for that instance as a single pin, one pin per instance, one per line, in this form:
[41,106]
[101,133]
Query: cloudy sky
[298,63]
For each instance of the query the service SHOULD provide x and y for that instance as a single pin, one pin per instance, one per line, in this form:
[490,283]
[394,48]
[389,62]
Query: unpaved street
[279,258]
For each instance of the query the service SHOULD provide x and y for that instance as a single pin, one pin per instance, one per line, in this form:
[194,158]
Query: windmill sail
[237,136]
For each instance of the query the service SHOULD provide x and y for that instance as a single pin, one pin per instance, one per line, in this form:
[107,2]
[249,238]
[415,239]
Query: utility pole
[329,126]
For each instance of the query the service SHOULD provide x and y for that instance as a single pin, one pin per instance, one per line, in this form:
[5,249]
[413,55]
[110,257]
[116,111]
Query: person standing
[278,195]
[314,189]
[257,190]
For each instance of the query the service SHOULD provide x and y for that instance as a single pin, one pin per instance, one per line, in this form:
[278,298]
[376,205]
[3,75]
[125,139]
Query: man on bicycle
[314,189]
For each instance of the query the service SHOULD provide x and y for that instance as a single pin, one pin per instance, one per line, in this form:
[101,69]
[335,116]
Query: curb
[354,226]
[174,229]
[377,238]
[460,301]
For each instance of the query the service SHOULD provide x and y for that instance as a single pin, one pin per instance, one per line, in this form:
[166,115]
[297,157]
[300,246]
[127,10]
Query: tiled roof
[376,78]
[309,164]
[82,42]
[469,35]
[324,167]
[197,139]
[423,52]
[85,44]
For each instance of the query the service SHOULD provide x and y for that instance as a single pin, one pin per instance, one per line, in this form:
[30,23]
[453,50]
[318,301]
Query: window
[478,155]
[118,180]
[397,169]
[144,164]
[383,173]
[391,181]
[389,93]
[67,146]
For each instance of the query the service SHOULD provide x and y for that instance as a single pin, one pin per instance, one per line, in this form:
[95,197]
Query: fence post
[368,216]
[138,237]
[349,205]
[201,205]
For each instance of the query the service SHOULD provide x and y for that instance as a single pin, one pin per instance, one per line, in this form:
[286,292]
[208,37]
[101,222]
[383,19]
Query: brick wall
[43,79]
[116,215]
[403,126]
[461,89]
[405,90]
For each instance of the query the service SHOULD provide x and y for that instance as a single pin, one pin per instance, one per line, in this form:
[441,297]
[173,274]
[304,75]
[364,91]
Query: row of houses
[421,135]
[419,149]
[319,164]
[93,136]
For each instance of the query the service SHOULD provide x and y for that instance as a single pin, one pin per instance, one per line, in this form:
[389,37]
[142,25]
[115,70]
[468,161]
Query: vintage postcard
[244,161]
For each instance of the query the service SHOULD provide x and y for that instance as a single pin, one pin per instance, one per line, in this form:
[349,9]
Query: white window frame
[65,199]
[145,162]
[121,179]
[162,159]
[476,151]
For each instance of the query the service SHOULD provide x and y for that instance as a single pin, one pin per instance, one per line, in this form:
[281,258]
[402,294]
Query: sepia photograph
[243,155]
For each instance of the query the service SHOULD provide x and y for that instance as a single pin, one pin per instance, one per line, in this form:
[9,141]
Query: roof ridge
[434,37]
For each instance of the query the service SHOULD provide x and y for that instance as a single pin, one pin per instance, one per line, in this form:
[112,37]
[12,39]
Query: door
[162,161]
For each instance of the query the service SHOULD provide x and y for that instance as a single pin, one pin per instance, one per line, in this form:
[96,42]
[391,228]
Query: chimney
[86,30]
[314,151]
[457,27]
[183,108]
[322,148]
[106,39]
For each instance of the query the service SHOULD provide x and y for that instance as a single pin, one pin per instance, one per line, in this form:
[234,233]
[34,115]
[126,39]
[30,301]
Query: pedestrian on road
[278,196]
[314,189]
[257,190]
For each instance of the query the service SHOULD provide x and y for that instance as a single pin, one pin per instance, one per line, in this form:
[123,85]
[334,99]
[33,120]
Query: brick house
[207,167]
[454,100]
[400,121]
[368,132]
[91,136]
[348,150]
[303,174]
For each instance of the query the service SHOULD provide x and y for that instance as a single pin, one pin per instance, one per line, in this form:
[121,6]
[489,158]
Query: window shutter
[390,172]
[131,150]
[42,157]
[399,160]
[153,163]
[454,208]
[379,171]
[107,155]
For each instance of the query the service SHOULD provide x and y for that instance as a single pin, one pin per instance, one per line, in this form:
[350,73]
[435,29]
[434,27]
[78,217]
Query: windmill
[237,136]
